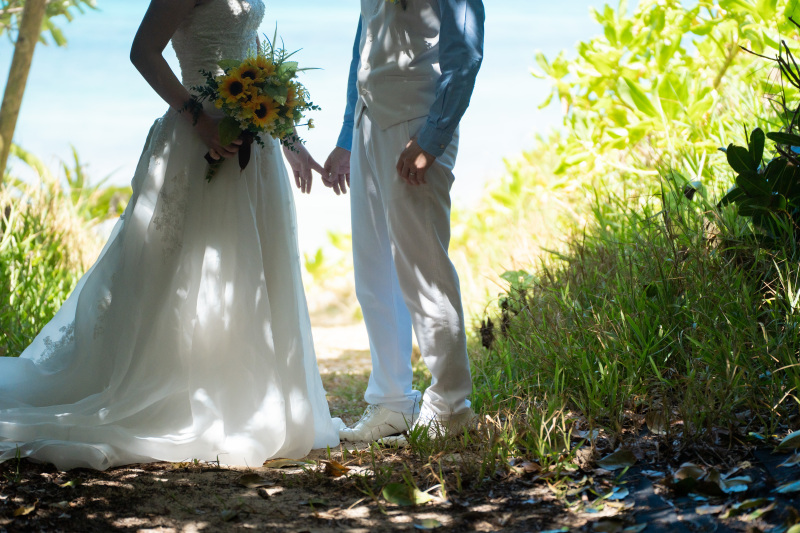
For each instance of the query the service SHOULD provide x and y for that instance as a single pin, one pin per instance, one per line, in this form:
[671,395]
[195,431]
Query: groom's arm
[460,57]
[346,136]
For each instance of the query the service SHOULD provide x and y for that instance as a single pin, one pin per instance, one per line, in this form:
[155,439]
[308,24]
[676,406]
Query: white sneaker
[376,423]
[435,425]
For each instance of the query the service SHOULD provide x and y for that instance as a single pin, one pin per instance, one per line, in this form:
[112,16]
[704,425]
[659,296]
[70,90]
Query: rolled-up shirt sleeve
[460,55]
[346,135]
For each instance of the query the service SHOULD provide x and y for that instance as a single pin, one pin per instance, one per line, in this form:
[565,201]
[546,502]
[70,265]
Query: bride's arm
[158,26]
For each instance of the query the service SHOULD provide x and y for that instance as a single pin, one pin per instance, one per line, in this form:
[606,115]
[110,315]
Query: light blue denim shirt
[460,56]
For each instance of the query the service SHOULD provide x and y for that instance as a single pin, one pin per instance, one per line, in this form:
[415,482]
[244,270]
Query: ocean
[88,95]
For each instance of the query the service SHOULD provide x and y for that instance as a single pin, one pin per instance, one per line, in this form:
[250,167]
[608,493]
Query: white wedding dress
[190,337]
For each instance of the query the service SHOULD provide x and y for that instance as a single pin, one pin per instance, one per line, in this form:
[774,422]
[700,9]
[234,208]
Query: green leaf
[756,146]
[780,137]
[779,179]
[639,98]
[404,495]
[753,184]
[427,524]
[229,131]
[227,64]
[739,159]
[753,206]
[732,196]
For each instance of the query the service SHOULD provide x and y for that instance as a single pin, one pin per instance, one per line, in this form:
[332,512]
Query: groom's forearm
[460,55]
[346,136]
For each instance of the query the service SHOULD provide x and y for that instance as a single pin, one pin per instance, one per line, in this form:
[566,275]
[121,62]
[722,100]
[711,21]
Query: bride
[189,338]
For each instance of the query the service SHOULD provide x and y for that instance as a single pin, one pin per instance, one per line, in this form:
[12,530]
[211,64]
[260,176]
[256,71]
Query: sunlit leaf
[736,484]
[620,493]
[427,524]
[792,441]
[253,481]
[335,469]
[619,459]
[404,495]
[787,488]
[709,509]
[25,509]
[794,529]
[285,463]
[689,471]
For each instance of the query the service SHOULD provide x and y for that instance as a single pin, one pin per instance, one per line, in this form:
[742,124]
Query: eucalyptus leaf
[788,488]
[794,460]
[253,481]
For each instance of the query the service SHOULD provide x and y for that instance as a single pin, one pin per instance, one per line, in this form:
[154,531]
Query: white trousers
[404,276]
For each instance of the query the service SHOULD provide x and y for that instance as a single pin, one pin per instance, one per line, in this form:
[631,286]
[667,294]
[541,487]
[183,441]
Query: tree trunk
[30,29]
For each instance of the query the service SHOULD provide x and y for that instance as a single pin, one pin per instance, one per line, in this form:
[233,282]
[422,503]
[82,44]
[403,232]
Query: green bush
[47,241]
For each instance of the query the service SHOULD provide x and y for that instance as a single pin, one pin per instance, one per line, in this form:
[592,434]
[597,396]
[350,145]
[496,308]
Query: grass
[661,308]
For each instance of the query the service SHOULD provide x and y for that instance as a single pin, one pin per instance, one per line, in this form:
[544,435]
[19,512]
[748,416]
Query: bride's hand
[208,129]
[302,164]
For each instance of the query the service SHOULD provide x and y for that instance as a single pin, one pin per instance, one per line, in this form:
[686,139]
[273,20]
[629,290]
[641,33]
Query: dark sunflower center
[237,88]
[261,112]
[250,74]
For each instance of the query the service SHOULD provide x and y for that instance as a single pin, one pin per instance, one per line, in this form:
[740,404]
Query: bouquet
[258,95]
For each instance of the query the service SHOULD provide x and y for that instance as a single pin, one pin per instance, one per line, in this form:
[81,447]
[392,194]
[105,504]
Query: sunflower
[248,70]
[266,66]
[295,96]
[233,88]
[263,111]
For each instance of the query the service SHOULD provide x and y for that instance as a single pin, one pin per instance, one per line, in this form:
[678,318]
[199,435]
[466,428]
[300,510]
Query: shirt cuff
[346,138]
[434,141]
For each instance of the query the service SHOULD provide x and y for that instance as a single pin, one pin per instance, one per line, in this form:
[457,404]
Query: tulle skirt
[189,338]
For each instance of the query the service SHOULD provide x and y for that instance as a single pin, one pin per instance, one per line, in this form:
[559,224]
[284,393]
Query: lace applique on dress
[51,346]
[171,211]
[103,304]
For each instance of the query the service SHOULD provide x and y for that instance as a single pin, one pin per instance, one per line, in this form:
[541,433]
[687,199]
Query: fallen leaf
[638,528]
[689,471]
[285,463]
[335,469]
[794,460]
[794,529]
[755,515]
[709,509]
[315,501]
[588,435]
[653,473]
[656,422]
[620,493]
[25,509]
[618,459]
[742,507]
[404,495]
[228,514]
[608,526]
[792,441]
[253,481]
[735,484]
[428,524]
[71,484]
[794,486]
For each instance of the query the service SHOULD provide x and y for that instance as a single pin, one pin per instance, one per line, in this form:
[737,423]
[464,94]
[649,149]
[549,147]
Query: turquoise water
[88,95]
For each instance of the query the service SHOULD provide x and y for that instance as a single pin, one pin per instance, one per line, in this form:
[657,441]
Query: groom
[411,79]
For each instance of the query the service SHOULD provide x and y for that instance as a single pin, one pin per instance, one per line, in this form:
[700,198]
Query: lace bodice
[219,29]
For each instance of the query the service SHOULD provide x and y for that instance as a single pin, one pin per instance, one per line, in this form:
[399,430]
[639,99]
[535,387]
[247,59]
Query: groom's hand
[414,162]
[337,171]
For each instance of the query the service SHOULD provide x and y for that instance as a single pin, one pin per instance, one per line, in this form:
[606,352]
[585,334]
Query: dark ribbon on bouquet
[245,152]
